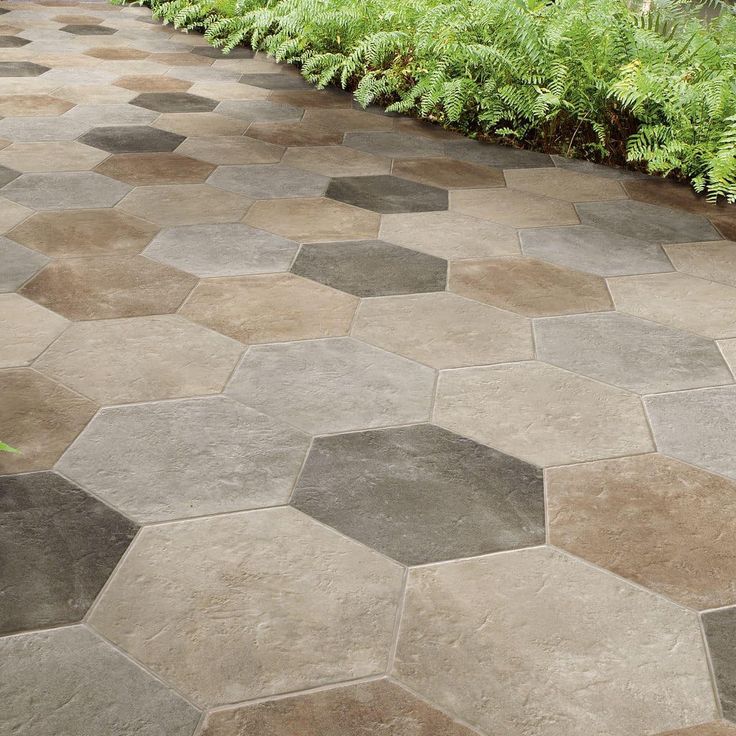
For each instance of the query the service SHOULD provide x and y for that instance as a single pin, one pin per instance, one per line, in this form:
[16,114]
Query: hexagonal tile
[29,105]
[267,181]
[510,207]
[141,169]
[449,235]
[253,111]
[65,190]
[572,186]
[131,139]
[229,91]
[174,102]
[270,308]
[222,250]
[651,519]
[110,114]
[39,417]
[84,233]
[152,83]
[712,728]
[185,204]
[541,414]
[53,578]
[387,194]
[335,161]
[174,459]
[88,30]
[140,359]
[275,81]
[110,693]
[293,134]
[239,52]
[647,222]
[200,124]
[530,287]
[343,121]
[443,330]
[21,69]
[26,330]
[106,287]
[698,427]
[371,268]
[312,220]
[629,352]
[422,494]
[10,215]
[539,642]
[333,385]
[728,348]
[394,145]
[342,597]
[50,156]
[596,251]
[354,710]
[7,175]
[231,150]
[19,264]
[447,173]
[720,632]
[489,154]
[678,300]
[10,42]
[714,261]
[116,53]
[35,129]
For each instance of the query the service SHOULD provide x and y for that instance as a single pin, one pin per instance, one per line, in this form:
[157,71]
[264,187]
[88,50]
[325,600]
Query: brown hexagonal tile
[225,150]
[270,308]
[51,156]
[108,287]
[342,121]
[152,83]
[294,134]
[530,287]
[84,233]
[116,53]
[39,417]
[142,169]
[180,59]
[448,173]
[77,19]
[32,105]
[336,161]
[571,186]
[313,220]
[200,124]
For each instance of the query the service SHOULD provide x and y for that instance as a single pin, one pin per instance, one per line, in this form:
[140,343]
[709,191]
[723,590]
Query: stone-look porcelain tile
[67,190]
[10,42]
[653,520]
[450,236]
[174,459]
[356,710]
[35,129]
[422,494]
[540,644]
[697,426]
[131,139]
[596,251]
[678,300]
[647,222]
[395,145]
[270,308]
[84,233]
[200,124]
[174,102]
[530,287]
[94,94]
[39,417]
[230,249]
[313,220]
[599,170]
[26,330]
[252,111]
[29,105]
[330,98]
[572,186]
[632,353]
[668,193]
[425,128]
[217,581]
[387,194]
[335,385]
[720,632]
[11,214]
[185,204]
[231,91]
[343,121]
[728,349]
[108,287]
[116,53]
[715,261]
[231,150]
[513,208]
[239,52]
[581,420]
[714,728]
[59,546]
[336,161]
[371,268]
[88,30]
[142,169]
[152,83]
[448,174]
[71,681]
[51,156]
[19,264]
[504,157]
[443,330]
[111,115]
[277,81]
[21,69]
[141,359]
[268,181]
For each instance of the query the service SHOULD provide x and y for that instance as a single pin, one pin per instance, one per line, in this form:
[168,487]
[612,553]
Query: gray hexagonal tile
[268,181]
[174,102]
[387,194]
[503,157]
[21,69]
[79,29]
[259,110]
[275,81]
[131,139]
[65,190]
[12,42]
[395,145]
[19,264]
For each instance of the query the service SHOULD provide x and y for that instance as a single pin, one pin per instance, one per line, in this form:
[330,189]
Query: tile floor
[337,424]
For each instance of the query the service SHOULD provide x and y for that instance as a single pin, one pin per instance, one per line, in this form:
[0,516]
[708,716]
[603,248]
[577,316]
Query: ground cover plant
[651,87]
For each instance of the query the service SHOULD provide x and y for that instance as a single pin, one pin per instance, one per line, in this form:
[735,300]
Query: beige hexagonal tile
[200,124]
[31,105]
[51,156]
[336,161]
[572,186]
[225,150]
[712,260]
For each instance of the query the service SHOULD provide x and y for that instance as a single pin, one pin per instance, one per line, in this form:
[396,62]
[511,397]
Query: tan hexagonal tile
[51,156]
[11,214]
[448,173]
[226,150]
[336,161]
[342,121]
[152,83]
[116,53]
[572,186]
[712,260]
[31,105]
[142,169]
[200,124]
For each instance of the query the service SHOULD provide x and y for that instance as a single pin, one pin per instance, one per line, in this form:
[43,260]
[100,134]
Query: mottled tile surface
[720,633]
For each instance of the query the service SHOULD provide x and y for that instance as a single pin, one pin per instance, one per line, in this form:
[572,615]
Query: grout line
[400,607]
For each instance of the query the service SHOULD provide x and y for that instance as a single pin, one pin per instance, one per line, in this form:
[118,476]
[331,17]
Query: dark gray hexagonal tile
[275,81]
[268,181]
[422,494]
[174,102]
[21,69]
[88,30]
[503,157]
[7,175]
[239,52]
[387,194]
[12,42]
[131,139]
[58,546]
[371,268]
[647,221]
[720,632]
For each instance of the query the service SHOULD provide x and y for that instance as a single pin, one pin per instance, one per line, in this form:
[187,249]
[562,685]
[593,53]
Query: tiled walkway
[335,424]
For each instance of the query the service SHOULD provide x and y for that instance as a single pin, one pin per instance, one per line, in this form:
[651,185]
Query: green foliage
[653,87]
[7,448]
